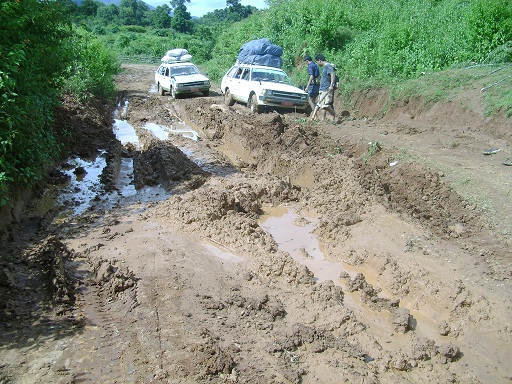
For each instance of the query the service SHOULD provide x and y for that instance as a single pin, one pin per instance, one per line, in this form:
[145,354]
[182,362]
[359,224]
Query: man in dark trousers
[313,85]
[326,96]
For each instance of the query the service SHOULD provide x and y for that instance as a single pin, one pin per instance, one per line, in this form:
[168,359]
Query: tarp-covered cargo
[261,52]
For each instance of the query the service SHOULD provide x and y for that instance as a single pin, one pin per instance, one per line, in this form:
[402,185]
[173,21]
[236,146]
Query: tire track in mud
[103,350]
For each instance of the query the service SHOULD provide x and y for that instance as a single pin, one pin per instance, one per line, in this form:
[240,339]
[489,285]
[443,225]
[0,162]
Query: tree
[133,12]
[237,11]
[181,21]
[234,4]
[161,17]
[108,14]
[89,7]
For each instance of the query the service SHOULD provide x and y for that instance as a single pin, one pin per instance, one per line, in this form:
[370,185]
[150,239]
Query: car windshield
[184,70]
[273,76]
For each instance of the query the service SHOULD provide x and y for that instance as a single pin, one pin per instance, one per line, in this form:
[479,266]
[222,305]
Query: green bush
[39,51]
[35,55]
[92,68]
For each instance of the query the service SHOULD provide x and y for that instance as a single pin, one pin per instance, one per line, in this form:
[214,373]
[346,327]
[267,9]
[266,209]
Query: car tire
[206,93]
[253,104]
[160,90]
[228,98]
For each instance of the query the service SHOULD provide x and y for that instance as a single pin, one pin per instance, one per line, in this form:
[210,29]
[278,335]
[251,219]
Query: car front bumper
[284,100]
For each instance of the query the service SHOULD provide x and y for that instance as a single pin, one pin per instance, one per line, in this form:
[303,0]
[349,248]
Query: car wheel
[173,93]
[228,98]
[160,90]
[253,104]
[206,93]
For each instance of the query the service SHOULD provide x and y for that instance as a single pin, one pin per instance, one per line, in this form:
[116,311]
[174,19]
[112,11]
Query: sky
[200,7]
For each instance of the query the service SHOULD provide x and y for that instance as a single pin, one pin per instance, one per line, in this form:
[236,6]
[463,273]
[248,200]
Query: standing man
[326,96]
[313,85]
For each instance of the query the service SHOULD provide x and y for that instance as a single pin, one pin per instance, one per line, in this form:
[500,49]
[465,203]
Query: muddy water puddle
[294,234]
[84,184]
[162,132]
[125,133]
[85,188]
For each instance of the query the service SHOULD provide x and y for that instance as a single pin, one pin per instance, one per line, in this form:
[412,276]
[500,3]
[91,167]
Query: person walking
[313,85]
[326,95]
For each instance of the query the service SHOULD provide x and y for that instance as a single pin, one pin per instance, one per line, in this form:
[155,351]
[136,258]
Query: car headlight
[207,82]
[266,92]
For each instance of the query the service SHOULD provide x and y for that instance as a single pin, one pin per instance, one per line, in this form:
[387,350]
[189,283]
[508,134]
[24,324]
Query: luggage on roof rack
[261,52]
[176,55]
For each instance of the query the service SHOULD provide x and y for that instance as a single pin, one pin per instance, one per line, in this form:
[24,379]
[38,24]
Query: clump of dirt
[90,124]
[111,276]
[164,164]
[51,255]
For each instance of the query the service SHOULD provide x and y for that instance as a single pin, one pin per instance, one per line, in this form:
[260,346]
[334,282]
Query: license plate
[286,103]
[194,90]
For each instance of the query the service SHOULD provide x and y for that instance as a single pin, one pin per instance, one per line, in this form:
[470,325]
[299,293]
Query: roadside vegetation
[42,57]
[48,48]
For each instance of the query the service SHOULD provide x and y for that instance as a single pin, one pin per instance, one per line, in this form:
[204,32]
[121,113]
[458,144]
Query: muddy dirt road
[268,249]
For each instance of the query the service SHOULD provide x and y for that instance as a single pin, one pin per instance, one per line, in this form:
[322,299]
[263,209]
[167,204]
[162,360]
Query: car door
[231,80]
[243,87]
[159,74]
[165,81]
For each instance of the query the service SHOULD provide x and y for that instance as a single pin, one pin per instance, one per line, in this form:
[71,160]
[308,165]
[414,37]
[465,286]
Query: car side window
[257,76]
[238,73]
[245,75]
[166,72]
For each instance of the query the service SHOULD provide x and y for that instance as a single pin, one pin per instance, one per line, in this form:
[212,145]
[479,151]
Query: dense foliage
[40,55]
[386,40]
[369,41]
[152,32]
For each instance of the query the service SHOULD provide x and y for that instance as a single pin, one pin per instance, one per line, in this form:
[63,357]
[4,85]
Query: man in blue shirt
[326,96]
[313,85]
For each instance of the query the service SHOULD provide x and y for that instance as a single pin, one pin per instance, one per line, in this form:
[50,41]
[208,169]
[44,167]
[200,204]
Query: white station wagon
[260,86]
[180,78]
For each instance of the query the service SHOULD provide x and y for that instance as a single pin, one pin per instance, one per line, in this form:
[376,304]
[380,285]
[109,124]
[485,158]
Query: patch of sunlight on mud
[180,128]
[222,252]
[126,134]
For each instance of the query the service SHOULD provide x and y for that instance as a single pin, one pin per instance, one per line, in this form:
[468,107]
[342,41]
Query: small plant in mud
[336,151]
[373,148]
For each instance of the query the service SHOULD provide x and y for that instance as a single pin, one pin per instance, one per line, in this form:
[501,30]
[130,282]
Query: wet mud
[262,249]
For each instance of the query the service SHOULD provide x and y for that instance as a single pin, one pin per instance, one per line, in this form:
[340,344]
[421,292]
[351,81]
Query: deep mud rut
[273,251]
